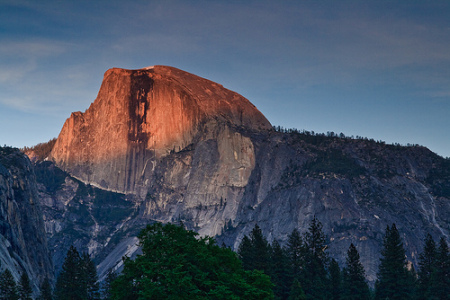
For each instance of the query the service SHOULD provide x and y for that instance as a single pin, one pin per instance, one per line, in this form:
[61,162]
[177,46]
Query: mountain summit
[142,115]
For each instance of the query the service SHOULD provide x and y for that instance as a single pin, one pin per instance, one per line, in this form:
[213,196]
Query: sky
[377,69]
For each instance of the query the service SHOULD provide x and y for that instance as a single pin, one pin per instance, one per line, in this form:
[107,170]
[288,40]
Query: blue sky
[379,69]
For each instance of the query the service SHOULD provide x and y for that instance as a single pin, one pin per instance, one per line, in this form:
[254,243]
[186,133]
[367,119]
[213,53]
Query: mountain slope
[186,149]
[23,244]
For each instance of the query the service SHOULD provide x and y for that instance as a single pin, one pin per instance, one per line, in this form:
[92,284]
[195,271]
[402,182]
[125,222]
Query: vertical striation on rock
[140,116]
[23,243]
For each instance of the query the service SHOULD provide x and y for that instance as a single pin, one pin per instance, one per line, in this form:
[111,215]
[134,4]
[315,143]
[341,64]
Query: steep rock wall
[23,243]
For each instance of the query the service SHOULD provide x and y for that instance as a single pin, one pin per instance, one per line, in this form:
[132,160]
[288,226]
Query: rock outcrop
[142,115]
[23,243]
[181,148]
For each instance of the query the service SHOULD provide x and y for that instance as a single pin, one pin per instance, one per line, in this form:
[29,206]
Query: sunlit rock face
[140,116]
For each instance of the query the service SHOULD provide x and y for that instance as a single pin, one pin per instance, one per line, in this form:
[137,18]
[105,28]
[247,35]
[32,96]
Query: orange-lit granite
[142,115]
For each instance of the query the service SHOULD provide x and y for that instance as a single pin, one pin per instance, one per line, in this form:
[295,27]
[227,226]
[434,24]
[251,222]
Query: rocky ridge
[23,243]
[173,147]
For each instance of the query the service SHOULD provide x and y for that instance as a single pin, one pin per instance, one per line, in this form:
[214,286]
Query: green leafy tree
[25,290]
[46,290]
[175,264]
[335,280]
[8,286]
[393,281]
[427,267]
[355,286]
[70,282]
[441,276]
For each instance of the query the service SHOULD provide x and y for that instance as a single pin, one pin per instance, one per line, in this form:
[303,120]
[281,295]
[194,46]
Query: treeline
[331,134]
[177,264]
[41,150]
[302,268]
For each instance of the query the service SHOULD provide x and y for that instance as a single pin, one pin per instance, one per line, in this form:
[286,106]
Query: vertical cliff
[23,243]
[140,116]
[173,147]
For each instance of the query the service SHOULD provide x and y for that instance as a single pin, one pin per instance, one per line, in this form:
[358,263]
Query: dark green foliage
[279,271]
[334,161]
[296,292]
[427,266]
[69,282]
[46,290]
[335,280]
[393,280]
[78,278]
[441,276]
[90,279]
[177,265]
[295,252]
[8,286]
[354,281]
[314,277]
[25,290]
[254,251]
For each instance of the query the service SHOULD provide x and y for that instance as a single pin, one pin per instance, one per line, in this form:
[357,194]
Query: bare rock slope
[176,147]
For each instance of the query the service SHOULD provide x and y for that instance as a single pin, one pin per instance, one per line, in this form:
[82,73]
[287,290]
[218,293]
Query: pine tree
[8,286]
[295,251]
[279,276]
[245,252]
[354,281]
[46,290]
[441,276]
[335,280]
[393,281]
[314,278]
[261,250]
[427,266]
[70,282]
[90,278]
[296,292]
[25,290]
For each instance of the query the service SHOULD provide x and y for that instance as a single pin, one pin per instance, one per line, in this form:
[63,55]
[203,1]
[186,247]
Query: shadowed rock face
[142,115]
[23,244]
[192,151]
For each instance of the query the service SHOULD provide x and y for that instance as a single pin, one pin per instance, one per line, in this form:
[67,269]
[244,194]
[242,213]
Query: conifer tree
[261,250]
[295,252]
[46,290]
[442,272]
[245,252]
[8,286]
[427,266]
[25,290]
[279,275]
[314,278]
[297,292]
[354,281]
[69,284]
[335,280]
[90,278]
[393,281]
